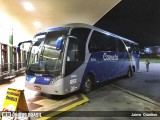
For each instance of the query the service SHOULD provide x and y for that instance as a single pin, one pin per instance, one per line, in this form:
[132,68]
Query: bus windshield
[44,58]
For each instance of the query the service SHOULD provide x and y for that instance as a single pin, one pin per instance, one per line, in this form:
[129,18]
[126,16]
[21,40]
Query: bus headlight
[56,78]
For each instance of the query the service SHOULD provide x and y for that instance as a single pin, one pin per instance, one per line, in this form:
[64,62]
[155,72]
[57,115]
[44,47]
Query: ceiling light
[28,6]
[37,24]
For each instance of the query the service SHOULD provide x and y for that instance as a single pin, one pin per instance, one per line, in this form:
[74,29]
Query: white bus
[76,57]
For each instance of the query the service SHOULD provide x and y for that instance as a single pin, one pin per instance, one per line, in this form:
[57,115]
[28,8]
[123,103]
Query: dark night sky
[138,20]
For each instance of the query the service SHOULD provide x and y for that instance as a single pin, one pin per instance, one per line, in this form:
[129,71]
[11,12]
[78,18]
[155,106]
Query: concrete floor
[138,93]
[37,102]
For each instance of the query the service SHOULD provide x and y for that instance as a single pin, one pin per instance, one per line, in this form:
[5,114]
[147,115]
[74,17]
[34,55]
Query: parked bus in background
[76,57]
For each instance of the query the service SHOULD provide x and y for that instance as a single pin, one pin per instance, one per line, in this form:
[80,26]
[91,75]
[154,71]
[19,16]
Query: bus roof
[72,25]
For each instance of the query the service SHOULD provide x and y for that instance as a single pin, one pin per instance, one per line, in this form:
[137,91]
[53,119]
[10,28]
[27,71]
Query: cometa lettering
[110,57]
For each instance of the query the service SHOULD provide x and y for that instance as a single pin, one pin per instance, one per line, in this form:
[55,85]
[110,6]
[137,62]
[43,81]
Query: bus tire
[129,72]
[132,72]
[87,84]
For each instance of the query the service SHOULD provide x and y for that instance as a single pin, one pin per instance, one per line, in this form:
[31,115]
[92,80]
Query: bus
[76,57]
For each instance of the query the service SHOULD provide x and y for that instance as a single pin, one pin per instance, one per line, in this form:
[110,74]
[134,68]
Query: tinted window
[76,49]
[101,42]
[81,34]
[40,40]
[120,46]
[72,53]
[52,37]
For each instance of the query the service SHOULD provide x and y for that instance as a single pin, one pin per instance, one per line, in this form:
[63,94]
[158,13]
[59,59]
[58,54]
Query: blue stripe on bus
[107,65]
[43,80]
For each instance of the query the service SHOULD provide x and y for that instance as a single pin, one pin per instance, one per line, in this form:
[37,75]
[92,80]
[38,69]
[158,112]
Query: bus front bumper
[55,89]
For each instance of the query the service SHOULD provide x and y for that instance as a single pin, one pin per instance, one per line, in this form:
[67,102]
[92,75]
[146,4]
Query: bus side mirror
[18,50]
[59,43]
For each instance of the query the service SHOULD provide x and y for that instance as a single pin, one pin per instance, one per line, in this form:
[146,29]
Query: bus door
[76,51]
[72,61]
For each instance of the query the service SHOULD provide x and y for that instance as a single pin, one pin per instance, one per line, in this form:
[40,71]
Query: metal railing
[7,70]
[7,67]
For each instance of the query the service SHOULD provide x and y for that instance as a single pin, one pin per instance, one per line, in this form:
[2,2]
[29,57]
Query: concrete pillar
[11,50]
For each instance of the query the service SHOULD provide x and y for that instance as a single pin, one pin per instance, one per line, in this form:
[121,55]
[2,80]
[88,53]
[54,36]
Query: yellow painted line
[67,108]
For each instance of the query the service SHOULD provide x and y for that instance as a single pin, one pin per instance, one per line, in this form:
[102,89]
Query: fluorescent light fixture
[28,6]
[37,24]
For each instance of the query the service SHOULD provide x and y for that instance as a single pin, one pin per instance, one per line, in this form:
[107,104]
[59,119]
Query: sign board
[15,101]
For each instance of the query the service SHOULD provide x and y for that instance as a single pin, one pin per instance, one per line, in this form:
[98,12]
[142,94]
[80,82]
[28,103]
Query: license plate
[37,88]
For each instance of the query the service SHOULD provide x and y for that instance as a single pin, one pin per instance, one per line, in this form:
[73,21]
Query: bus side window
[95,42]
[120,46]
[81,34]
[110,43]
[101,42]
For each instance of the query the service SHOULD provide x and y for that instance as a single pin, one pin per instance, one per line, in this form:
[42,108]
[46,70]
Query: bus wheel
[129,72]
[87,84]
[132,72]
